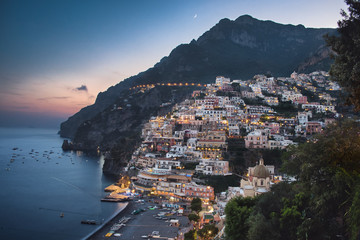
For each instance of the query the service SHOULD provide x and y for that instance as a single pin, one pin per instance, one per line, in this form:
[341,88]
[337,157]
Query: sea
[45,192]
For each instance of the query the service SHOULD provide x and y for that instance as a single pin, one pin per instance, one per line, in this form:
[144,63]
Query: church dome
[261,171]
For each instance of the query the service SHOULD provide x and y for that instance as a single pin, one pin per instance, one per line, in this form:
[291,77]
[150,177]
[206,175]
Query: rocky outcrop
[319,60]
[116,130]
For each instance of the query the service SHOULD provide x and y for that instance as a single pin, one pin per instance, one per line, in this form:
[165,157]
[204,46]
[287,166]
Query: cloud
[51,98]
[81,88]
[195,16]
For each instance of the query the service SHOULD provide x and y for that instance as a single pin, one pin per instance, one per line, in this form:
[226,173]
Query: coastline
[99,228]
[71,180]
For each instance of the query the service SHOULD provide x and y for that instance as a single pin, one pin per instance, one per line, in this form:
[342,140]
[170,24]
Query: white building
[212,167]
[176,151]
[271,101]
[220,80]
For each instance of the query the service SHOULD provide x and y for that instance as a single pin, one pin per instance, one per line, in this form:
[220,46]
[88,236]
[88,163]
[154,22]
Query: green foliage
[190,235]
[291,215]
[346,68]
[353,219]
[190,165]
[201,96]
[324,202]
[329,168]
[262,228]
[311,96]
[221,183]
[238,211]
[196,205]
[208,231]
[272,157]
[194,217]
[286,108]
[224,94]
[235,86]
[253,101]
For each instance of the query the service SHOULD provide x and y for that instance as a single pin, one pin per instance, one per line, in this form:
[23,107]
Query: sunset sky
[57,55]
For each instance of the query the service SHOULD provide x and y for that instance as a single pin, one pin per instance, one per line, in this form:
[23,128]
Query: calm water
[39,182]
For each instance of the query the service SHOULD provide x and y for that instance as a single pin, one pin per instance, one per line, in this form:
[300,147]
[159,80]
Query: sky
[57,55]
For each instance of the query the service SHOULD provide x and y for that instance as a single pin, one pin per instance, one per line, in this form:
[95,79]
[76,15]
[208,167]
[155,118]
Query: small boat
[61,215]
[90,222]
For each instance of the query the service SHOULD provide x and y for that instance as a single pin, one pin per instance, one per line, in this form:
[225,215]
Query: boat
[155,234]
[61,215]
[91,222]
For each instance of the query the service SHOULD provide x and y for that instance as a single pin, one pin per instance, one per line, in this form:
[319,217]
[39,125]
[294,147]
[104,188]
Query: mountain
[236,49]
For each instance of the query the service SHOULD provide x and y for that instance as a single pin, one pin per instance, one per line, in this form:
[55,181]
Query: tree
[190,235]
[208,231]
[291,215]
[328,171]
[196,205]
[261,228]
[194,217]
[346,68]
[353,219]
[238,211]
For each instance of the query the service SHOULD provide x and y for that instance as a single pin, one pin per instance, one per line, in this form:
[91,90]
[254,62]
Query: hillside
[237,49]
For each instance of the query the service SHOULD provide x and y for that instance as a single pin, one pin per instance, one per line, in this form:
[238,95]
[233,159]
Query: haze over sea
[39,182]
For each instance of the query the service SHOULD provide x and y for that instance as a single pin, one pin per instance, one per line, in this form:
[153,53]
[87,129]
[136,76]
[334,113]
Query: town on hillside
[191,141]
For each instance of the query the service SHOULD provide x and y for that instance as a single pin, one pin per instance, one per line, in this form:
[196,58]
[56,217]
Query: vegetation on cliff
[346,68]
[322,204]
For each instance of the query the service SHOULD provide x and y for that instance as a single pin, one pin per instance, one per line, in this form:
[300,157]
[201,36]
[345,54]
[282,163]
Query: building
[271,101]
[313,127]
[302,118]
[212,144]
[220,80]
[212,167]
[167,163]
[192,190]
[256,139]
[259,179]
